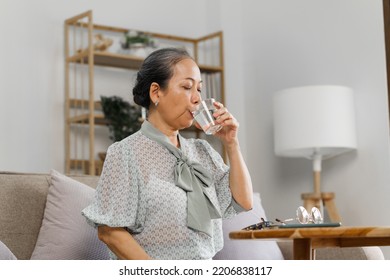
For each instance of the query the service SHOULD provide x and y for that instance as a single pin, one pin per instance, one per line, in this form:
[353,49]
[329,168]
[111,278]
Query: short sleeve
[220,171]
[116,200]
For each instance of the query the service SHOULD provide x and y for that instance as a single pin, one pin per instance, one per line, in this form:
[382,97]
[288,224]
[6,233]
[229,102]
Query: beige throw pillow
[65,234]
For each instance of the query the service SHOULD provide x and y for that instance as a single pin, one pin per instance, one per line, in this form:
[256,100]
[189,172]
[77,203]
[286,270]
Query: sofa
[40,219]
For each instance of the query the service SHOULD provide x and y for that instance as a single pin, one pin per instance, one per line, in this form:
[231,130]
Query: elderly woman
[161,196]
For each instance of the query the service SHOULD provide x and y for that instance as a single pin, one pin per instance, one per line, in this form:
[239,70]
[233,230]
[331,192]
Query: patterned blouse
[137,191]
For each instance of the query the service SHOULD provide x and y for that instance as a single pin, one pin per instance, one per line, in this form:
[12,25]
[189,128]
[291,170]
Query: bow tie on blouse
[192,177]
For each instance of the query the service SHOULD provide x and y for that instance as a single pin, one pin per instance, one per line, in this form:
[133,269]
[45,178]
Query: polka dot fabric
[137,191]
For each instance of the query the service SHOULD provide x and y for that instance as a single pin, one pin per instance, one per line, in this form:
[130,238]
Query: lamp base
[317,200]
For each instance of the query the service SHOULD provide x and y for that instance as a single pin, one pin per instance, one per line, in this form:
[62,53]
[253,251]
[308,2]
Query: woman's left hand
[229,131]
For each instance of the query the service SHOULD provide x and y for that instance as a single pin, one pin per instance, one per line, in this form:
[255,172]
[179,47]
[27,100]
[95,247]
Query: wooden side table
[306,240]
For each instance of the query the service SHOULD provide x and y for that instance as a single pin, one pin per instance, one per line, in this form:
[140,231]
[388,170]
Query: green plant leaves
[123,118]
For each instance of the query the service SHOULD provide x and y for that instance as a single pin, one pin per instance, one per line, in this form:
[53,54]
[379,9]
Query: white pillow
[65,234]
[5,253]
[247,249]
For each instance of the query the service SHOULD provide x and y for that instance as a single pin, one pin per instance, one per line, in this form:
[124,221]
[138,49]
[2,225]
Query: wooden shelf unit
[87,111]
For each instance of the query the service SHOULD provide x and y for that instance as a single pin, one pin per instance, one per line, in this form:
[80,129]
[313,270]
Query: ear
[154,91]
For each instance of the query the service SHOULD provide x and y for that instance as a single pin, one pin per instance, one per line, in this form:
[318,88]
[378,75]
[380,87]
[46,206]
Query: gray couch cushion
[65,233]
[22,203]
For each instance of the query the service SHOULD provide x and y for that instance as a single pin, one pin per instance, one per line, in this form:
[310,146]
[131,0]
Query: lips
[193,111]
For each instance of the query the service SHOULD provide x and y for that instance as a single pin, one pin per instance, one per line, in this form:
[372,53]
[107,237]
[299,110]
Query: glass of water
[204,116]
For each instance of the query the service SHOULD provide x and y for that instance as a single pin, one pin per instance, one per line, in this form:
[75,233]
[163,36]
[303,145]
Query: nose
[196,97]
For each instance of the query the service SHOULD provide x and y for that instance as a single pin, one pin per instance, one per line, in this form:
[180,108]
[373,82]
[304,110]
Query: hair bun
[140,98]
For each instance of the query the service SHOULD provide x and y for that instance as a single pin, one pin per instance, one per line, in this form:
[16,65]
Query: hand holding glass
[204,116]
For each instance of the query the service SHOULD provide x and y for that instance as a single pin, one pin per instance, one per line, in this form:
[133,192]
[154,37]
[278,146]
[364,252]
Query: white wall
[269,45]
[32,67]
[303,42]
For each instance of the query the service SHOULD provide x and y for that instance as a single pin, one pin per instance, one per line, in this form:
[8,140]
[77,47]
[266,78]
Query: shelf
[83,165]
[109,59]
[83,104]
[124,61]
[84,119]
[210,69]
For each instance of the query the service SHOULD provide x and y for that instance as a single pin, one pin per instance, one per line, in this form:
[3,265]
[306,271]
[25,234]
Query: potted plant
[123,118]
[136,42]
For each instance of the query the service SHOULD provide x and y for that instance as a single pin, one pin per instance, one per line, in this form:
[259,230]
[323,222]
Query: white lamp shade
[314,120]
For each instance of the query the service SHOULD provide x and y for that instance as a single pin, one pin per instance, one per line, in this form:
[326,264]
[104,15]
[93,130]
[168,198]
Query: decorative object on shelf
[102,43]
[123,118]
[137,43]
[317,123]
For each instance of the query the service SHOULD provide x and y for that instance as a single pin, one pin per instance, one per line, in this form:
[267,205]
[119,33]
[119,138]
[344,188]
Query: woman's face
[182,95]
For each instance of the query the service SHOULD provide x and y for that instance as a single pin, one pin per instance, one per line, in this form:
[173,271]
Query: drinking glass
[204,116]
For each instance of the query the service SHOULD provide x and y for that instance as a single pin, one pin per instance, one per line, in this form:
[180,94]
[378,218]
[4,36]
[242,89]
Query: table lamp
[317,123]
